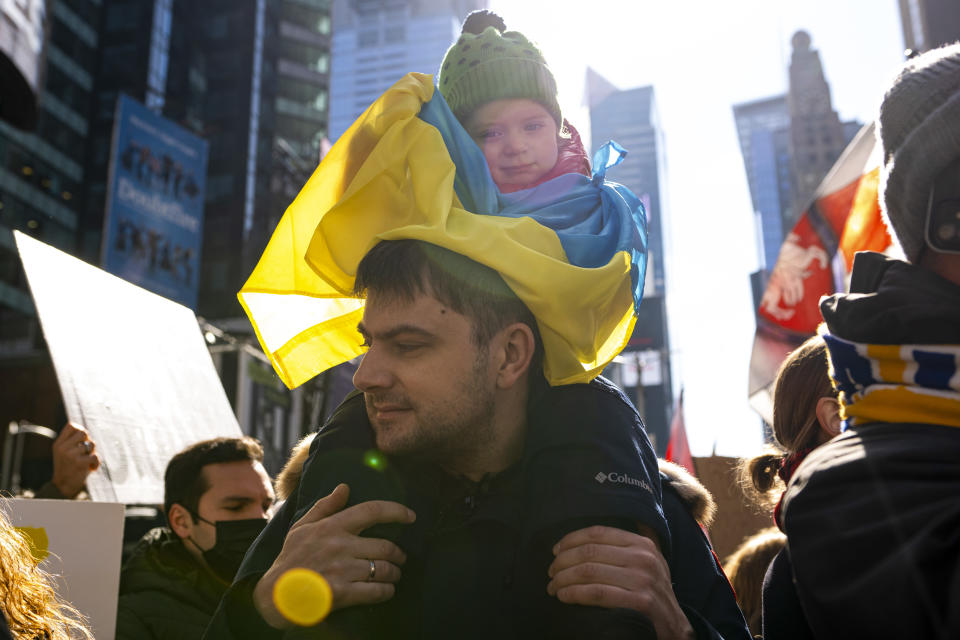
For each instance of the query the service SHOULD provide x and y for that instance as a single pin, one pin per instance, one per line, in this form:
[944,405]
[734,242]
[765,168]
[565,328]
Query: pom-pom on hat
[919,131]
[490,63]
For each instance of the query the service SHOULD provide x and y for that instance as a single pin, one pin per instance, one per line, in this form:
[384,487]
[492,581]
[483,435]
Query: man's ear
[180,520]
[828,415]
[518,344]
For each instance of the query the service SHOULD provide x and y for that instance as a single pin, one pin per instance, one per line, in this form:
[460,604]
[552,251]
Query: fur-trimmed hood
[694,495]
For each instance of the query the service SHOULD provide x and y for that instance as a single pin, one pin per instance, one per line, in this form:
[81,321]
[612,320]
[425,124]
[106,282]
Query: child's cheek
[489,152]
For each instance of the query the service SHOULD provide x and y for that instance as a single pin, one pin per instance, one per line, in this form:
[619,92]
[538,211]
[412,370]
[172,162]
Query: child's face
[518,138]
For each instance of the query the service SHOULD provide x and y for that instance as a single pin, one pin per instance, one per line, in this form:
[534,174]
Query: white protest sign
[79,542]
[133,369]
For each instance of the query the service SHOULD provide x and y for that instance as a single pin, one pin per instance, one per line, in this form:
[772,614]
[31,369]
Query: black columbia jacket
[478,553]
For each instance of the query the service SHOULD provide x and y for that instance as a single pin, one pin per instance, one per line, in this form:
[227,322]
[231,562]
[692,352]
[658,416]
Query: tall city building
[630,118]
[249,77]
[928,24]
[375,42]
[763,131]
[789,142]
[21,52]
[817,137]
[42,171]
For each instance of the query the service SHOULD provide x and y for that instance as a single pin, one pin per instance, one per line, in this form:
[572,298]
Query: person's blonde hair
[746,568]
[802,380]
[28,601]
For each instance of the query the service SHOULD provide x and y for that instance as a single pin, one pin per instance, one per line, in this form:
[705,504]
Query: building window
[106,105]
[312,18]
[217,28]
[394,34]
[78,49]
[368,38]
[323,25]
[71,93]
[159,54]
[219,187]
[122,17]
[314,58]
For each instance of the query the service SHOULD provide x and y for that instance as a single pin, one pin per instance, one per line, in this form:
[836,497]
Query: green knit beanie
[490,63]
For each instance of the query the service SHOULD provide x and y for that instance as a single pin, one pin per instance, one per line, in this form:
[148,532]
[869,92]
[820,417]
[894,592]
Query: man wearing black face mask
[216,499]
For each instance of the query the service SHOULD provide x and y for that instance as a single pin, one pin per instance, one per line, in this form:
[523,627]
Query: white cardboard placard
[133,369]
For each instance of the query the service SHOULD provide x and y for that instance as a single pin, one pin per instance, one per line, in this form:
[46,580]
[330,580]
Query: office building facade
[928,24]
[817,137]
[763,132]
[376,42]
[251,77]
[42,173]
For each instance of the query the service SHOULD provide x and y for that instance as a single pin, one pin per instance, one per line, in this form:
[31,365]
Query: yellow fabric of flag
[390,177]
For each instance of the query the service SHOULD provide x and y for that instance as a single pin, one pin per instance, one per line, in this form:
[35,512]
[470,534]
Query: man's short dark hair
[184,481]
[407,268]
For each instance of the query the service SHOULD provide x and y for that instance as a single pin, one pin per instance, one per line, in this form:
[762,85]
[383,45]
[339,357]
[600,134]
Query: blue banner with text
[153,228]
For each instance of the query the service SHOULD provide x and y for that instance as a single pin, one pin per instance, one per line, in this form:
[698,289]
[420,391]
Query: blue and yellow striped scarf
[895,383]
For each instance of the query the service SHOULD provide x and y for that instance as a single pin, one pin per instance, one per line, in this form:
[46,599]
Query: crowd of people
[460,492]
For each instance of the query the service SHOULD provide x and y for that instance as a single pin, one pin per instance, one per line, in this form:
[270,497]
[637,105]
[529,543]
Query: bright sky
[703,56]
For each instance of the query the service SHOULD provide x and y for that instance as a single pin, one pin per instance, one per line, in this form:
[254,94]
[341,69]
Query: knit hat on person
[919,132]
[490,63]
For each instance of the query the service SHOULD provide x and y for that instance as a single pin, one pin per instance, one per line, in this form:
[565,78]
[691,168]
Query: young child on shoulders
[499,87]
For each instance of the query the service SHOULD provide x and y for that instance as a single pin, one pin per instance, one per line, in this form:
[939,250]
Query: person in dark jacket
[872,517]
[216,497]
[700,588]
[165,592]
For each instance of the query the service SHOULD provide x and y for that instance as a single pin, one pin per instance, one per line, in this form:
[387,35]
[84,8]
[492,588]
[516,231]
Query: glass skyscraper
[762,127]
[42,173]
[375,42]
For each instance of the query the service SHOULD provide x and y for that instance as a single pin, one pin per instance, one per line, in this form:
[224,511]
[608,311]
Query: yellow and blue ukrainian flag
[573,249]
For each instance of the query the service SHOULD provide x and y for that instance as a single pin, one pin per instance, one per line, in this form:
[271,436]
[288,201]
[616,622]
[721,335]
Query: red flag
[815,259]
[678,449]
